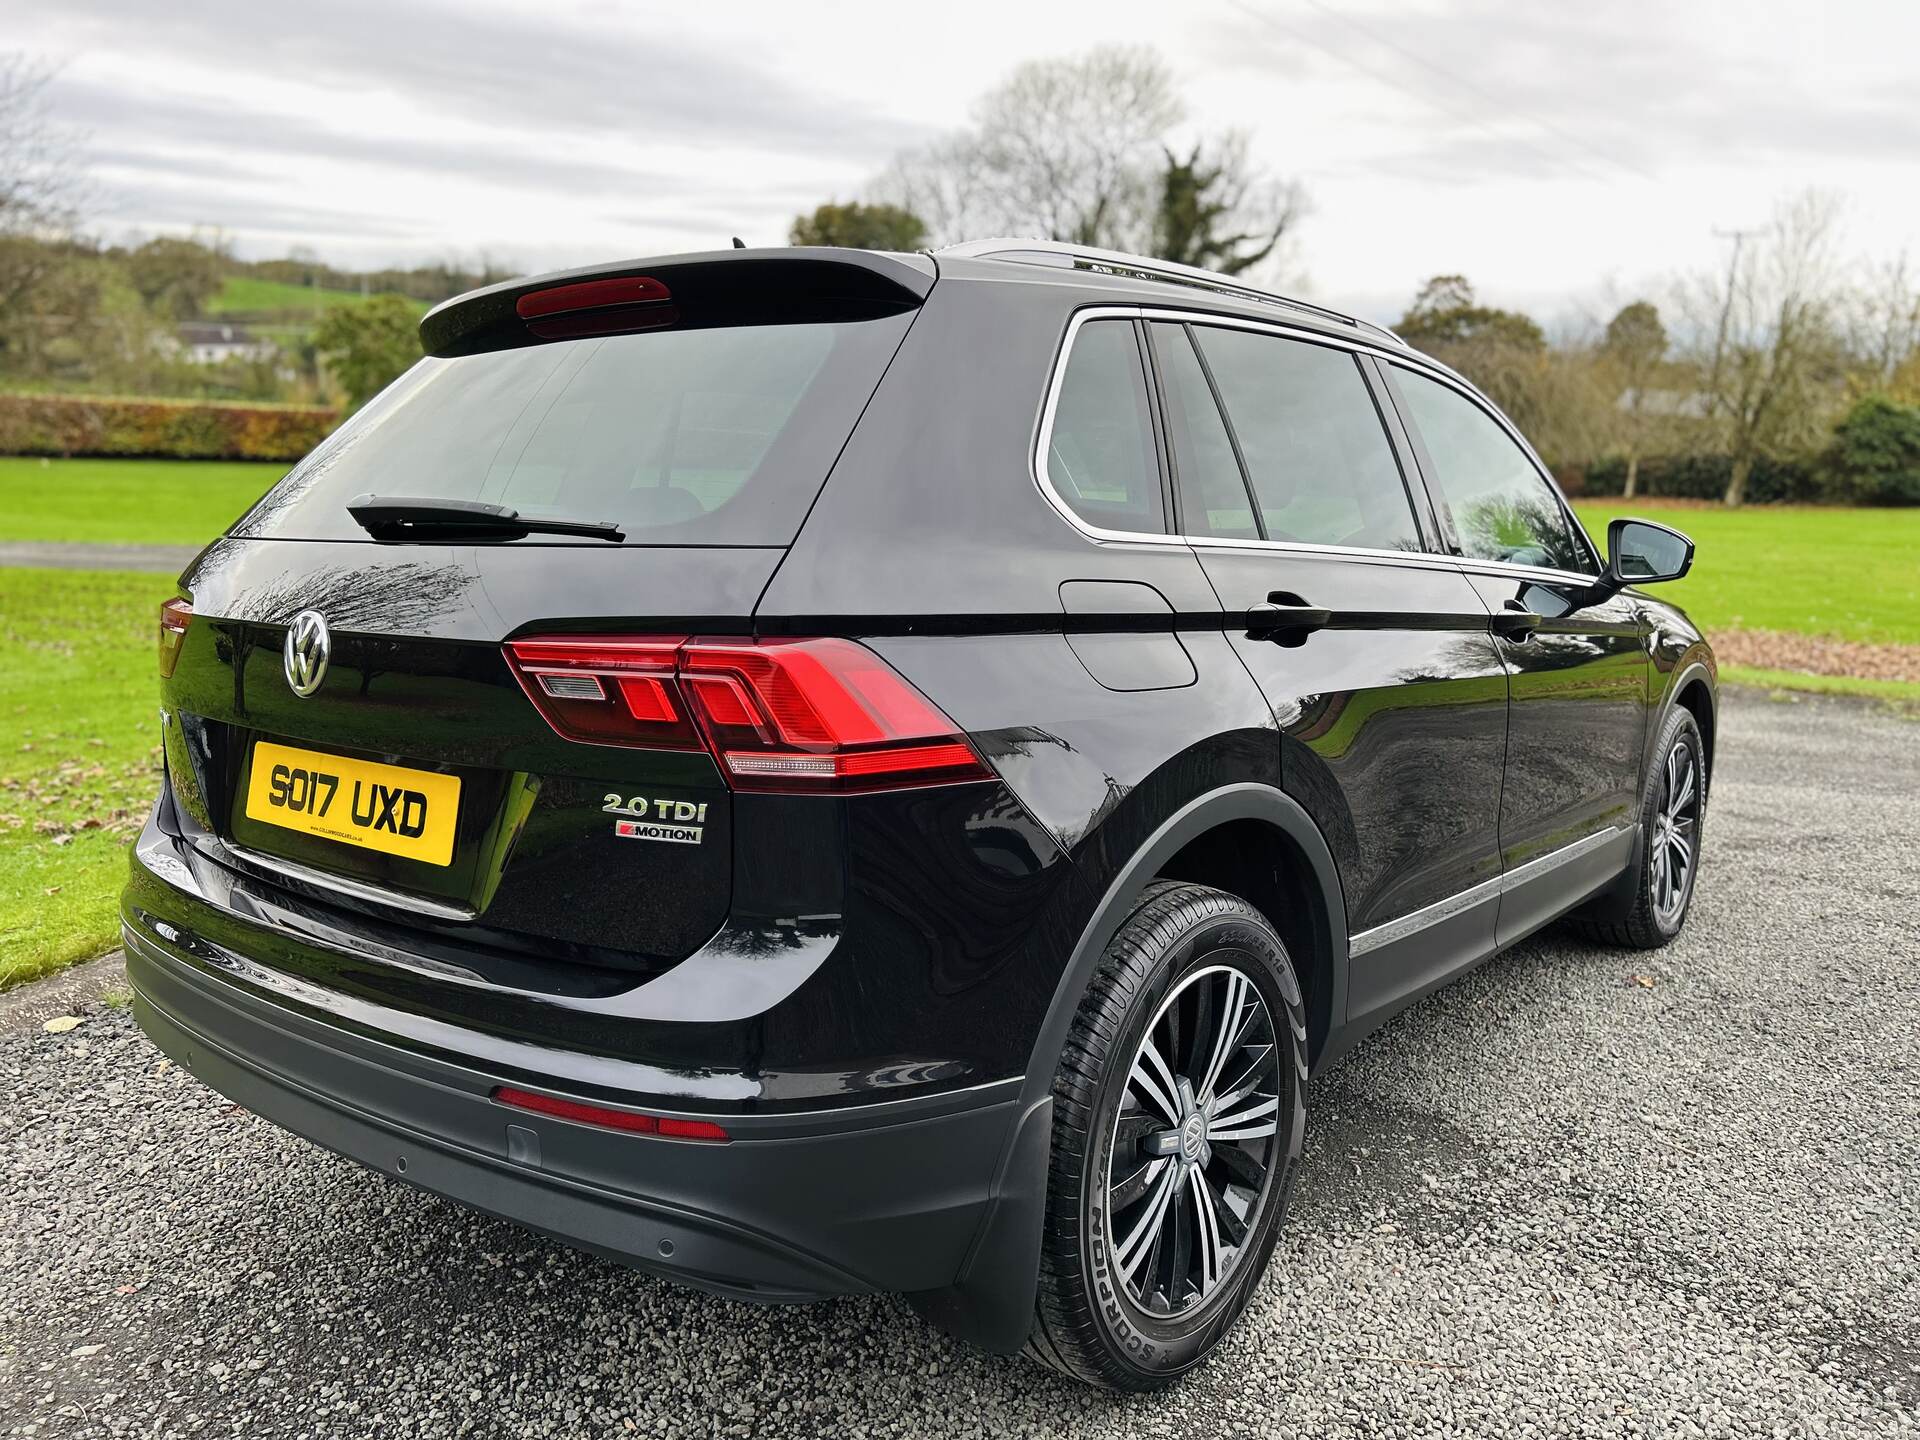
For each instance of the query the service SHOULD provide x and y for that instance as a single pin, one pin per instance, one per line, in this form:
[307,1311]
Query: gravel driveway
[1580,1193]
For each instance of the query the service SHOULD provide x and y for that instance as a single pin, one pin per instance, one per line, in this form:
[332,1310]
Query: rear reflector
[607,1118]
[175,616]
[805,715]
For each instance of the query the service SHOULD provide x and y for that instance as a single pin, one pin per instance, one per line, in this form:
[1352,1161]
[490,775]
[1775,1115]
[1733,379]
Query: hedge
[1703,477]
[170,429]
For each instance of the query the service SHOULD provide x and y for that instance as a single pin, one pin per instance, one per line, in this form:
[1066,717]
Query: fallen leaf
[61,1024]
[1645,982]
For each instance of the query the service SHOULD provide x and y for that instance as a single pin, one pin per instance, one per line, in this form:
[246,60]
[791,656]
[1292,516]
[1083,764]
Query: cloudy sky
[1558,154]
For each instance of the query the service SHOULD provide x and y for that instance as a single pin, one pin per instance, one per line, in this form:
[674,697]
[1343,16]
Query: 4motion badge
[677,822]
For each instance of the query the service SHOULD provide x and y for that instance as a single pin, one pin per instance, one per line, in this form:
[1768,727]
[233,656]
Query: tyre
[1178,1116]
[1648,909]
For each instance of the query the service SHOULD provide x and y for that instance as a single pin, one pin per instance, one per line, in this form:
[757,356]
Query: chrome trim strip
[1409,359]
[358,889]
[1431,915]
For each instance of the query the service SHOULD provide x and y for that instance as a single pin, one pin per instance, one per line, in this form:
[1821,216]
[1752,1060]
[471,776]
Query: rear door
[1579,662]
[1375,654]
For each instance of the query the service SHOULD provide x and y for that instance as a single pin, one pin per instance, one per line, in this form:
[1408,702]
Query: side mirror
[1639,552]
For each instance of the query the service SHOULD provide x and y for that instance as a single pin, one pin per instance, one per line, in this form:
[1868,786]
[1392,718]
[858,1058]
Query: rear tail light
[175,615]
[808,715]
[607,1117]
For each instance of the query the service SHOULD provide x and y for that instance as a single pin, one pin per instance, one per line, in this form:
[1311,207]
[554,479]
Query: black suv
[815,771]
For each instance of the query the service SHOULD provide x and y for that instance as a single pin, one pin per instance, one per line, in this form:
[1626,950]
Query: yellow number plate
[357,802]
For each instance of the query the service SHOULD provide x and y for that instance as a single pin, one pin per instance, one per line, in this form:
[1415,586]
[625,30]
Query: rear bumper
[882,1197]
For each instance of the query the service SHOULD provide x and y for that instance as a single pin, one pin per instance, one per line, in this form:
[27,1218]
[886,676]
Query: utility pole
[1739,238]
[1716,399]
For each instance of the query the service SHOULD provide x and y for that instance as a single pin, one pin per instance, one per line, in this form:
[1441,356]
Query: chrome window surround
[1418,920]
[1043,438]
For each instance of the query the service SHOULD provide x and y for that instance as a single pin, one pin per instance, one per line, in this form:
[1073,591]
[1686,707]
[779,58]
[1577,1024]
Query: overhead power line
[1399,83]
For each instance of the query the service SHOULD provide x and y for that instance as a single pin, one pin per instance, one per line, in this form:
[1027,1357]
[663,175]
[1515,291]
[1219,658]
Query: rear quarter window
[715,436]
[1101,459]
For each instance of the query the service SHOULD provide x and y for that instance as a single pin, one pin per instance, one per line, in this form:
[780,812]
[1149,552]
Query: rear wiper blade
[399,517]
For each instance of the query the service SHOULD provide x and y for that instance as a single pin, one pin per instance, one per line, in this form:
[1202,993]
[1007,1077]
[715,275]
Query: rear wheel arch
[1200,832]
[1267,867]
[990,1303]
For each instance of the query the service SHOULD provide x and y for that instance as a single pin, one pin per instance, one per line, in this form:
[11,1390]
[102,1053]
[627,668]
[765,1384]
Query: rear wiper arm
[398,517]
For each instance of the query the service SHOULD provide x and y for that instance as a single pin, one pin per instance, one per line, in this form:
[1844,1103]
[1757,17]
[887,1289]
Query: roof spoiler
[713,287]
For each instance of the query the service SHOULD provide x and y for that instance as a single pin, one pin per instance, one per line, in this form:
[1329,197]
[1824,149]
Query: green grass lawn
[79,756]
[244,295]
[127,502]
[1854,574]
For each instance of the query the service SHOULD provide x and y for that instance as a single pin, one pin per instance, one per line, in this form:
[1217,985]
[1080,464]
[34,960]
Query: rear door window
[1316,449]
[1502,507]
[1101,459]
[1214,499]
[715,436]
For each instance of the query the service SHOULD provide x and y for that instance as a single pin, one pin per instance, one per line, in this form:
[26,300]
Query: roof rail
[1066,256]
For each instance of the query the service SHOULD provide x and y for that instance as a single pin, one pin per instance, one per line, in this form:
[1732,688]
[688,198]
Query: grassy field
[1854,574]
[246,295]
[78,691]
[126,502]
[79,750]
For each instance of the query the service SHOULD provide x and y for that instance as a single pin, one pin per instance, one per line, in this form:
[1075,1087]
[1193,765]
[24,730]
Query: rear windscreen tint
[680,437]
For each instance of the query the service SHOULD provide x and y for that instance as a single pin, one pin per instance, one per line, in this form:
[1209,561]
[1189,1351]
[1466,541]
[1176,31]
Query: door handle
[1513,622]
[1275,616]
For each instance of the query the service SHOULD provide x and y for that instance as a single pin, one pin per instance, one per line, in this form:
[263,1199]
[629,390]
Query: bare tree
[1883,323]
[1068,149]
[39,179]
[1767,349]
[1633,350]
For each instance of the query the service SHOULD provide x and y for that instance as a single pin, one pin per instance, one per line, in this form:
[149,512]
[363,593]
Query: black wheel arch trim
[990,1304]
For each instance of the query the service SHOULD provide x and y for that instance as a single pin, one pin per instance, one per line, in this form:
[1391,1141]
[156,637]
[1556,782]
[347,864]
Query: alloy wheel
[1675,843]
[1194,1140]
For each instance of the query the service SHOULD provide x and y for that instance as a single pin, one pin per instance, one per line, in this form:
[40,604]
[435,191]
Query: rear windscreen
[680,437]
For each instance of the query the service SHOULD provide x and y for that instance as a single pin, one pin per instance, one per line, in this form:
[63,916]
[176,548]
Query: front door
[1578,661]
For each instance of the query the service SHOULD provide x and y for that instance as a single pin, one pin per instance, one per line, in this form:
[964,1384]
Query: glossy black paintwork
[1578,719]
[1394,719]
[891,944]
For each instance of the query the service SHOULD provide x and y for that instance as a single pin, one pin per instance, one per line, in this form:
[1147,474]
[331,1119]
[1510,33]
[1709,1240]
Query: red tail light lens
[597,307]
[607,1117]
[175,615]
[822,715]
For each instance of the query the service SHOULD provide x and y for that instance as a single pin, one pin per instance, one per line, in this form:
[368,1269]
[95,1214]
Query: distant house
[1668,404]
[210,342]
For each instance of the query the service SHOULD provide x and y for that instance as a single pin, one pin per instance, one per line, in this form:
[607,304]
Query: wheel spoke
[1246,1082]
[1247,1124]
[1177,1230]
[1223,1217]
[1241,1167]
[1233,1019]
[1125,1192]
[1155,1081]
[1133,1249]
[1206,1232]
[1685,792]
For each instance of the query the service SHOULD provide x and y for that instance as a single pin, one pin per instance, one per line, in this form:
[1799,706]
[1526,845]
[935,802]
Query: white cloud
[1542,150]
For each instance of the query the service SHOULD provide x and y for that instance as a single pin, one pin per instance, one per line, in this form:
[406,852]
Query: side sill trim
[1453,905]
